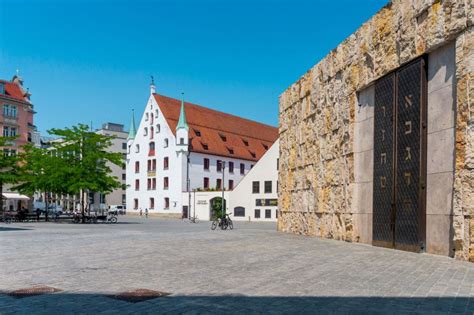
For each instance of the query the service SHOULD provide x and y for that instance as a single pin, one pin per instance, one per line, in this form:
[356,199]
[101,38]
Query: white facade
[146,188]
[261,206]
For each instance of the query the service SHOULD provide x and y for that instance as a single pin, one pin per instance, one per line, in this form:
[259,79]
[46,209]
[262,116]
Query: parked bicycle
[193,219]
[223,223]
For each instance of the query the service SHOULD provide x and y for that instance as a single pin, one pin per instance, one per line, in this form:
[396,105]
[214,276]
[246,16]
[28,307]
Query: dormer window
[151,120]
[246,142]
[197,132]
[156,113]
[265,146]
[253,154]
[231,151]
[223,137]
[205,146]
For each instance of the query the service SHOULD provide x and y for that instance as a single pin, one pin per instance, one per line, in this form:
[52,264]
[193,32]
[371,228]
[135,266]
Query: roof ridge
[218,111]
[226,131]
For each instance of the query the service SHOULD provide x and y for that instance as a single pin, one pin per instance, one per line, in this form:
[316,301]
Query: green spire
[182,116]
[133,130]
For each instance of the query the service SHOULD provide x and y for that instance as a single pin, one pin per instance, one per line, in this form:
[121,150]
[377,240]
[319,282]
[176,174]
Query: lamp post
[223,176]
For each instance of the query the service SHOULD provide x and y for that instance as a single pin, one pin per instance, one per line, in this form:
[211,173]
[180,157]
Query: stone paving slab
[252,269]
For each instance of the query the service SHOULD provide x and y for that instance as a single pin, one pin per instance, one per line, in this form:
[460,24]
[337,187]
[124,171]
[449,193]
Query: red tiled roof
[213,125]
[12,90]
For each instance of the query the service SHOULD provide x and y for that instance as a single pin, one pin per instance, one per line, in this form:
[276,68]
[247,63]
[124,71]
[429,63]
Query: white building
[255,198]
[180,147]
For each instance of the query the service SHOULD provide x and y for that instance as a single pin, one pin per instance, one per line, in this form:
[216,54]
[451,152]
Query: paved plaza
[252,269]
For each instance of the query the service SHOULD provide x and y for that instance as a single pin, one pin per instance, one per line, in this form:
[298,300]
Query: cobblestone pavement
[252,269]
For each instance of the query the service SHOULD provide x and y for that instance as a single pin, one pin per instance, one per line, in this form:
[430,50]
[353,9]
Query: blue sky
[90,61]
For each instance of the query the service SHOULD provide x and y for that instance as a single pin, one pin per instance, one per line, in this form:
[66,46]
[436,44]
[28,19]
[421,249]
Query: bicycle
[223,223]
[193,219]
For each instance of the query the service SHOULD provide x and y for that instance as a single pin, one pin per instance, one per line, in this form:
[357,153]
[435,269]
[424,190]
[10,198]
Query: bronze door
[400,159]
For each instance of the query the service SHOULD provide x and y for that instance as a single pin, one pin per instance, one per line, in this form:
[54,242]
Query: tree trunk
[45,206]
[1,200]
[82,207]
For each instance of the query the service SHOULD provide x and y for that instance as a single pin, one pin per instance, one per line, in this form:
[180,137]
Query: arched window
[145,131]
[151,151]
[166,143]
[137,148]
[157,128]
[146,116]
[157,113]
[151,119]
[152,132]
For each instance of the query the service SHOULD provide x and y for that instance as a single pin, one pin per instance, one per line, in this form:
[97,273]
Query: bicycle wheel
[231,225]
[224,225]
[214,225]
[113,220]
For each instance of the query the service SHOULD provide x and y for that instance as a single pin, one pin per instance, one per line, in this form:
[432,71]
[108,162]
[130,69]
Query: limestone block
[438,234]
[363,161]
[441,67]
[441,109]
[440,151]
[439,193]
[364,135]
[363,198]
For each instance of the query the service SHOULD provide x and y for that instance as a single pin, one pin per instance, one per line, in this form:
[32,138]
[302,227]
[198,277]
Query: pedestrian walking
[146,213]
[141,212]
[38,213]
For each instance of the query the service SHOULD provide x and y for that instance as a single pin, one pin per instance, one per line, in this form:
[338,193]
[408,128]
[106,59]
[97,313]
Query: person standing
[141,212]
[38,213]
[146,213]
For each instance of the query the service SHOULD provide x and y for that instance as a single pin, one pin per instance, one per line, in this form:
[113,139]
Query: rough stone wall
[317,116]
[464,166]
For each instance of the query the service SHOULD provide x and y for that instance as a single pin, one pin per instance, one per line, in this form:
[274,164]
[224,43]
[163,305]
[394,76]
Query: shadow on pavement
[96,303]
[5,229]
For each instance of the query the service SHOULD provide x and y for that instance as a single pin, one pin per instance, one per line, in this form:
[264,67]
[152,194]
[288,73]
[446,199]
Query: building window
[124,146]
[146,116]
[257,213]
[278,164]
[167,203]
[218,183]
[124,176]
[230,150]
[242,168]
[145,131]
[9,110]
[276,213]
[268,213]
[148,184]
[246,142]
[265,146]
[151,151]
[205,146]
[231,167]
[223,137]
[181,140]
[135,203]
[231,184]
[124,199]
[239,212]
[206,164]
[153,183]
[255,187]
[157,128]
[166,143]
[197,132]
[268,186]
[148,165]
[206,182]
[219,165]
[165,163]
[253,154]
[152,132]
[151,119]
[165,182]
[137,184]
[153,165]
[6,131]
[13,132]
[152,203]
[137,148]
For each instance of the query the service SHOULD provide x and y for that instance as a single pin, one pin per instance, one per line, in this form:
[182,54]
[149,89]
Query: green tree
[8,166]
[85,159]
[42,171]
